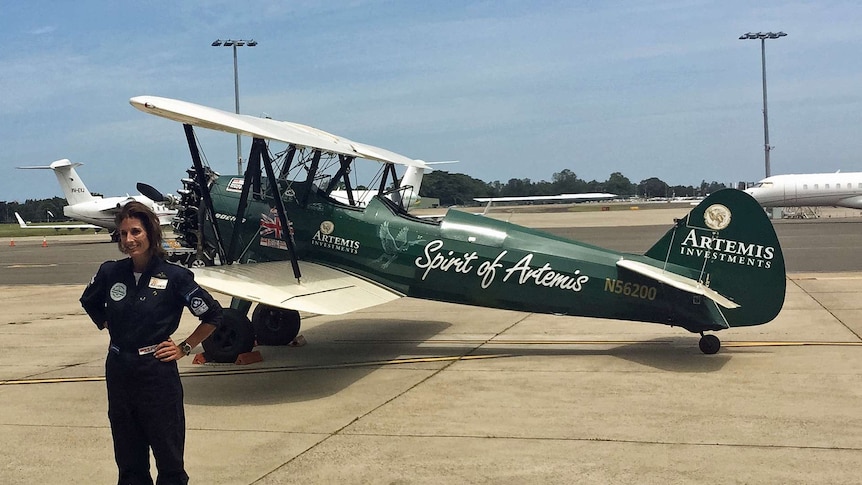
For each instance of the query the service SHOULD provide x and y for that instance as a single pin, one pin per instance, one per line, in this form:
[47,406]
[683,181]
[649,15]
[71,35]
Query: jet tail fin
[726,250]
[411,182]
[73,187]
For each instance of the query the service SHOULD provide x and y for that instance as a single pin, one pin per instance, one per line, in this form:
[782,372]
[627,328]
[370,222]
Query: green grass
[14,230]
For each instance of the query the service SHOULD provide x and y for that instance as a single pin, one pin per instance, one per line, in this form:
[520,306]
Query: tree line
[35,210]
[460,189]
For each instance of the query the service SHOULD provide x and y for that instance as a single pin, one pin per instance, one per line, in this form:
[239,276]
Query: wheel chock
[299,341]
[249,358]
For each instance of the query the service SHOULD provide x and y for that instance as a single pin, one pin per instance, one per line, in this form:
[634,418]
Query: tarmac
[420,392]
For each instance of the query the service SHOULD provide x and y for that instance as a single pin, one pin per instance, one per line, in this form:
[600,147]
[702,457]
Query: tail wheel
[275,326]
[233,337]
[709,344]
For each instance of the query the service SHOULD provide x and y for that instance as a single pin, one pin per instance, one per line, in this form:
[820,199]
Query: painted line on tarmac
[31,265]
[421,360]
[790,344]
[513,342]
[269,370]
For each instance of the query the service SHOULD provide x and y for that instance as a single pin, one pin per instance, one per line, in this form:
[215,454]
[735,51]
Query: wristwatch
[185,348]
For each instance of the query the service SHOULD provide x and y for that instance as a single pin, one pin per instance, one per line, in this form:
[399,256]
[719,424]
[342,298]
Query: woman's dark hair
[149,221]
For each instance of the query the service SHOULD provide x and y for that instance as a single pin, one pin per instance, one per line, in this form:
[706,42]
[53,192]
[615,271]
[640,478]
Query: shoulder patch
[198,306]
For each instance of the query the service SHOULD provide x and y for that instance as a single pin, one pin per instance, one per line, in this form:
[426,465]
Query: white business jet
[96,211]
[810,190]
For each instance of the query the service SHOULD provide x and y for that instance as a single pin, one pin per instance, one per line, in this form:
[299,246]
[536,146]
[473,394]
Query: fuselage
[464,258]
[813,189]
[100,211]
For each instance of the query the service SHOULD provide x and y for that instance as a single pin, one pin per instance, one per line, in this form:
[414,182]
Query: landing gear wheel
[234,336]
[201,260]
[275,326]
[709,344]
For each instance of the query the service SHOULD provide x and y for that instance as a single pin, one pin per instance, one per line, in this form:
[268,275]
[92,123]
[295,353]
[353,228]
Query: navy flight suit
[145,395]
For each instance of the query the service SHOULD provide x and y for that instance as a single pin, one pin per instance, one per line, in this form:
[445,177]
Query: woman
[140,300]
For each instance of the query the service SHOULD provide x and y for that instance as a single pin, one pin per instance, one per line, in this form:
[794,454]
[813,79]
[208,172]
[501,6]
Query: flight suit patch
[118,291]
[198,306]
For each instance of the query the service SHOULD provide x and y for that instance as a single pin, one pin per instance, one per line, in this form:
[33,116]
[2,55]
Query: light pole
[763,36]
[236,43]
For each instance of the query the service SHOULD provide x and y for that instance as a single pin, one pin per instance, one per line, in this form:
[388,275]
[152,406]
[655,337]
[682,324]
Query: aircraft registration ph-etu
[281,241]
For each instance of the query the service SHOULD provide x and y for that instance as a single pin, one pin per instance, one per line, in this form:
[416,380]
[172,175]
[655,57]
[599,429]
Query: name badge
[147,350]
[158,283]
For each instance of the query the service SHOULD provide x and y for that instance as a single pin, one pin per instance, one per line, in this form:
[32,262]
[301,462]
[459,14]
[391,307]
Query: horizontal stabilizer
[677,281]
[323,290]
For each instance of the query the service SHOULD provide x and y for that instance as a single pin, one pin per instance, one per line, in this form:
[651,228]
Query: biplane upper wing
[287,132]
[323,290]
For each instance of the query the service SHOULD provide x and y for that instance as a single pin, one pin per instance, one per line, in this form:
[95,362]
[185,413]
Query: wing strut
[386,170]
[251,182]
[343,172]
[204,185]
[309,180]
[288,159]
[287,232]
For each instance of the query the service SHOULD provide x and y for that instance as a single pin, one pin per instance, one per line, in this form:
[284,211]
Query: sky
[511,89]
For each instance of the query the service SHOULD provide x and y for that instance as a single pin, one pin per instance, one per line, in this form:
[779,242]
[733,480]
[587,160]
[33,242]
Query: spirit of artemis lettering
[435,259]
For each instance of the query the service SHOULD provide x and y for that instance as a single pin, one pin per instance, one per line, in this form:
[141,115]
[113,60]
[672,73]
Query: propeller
[151,192]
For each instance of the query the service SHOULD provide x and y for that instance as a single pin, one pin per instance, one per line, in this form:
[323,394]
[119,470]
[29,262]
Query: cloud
[42,30]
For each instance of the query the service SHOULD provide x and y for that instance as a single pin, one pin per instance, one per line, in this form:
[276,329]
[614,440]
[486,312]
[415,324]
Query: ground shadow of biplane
[342,352]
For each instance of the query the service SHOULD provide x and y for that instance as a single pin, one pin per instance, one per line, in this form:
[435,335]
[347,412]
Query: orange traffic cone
[44,242]
[12,242]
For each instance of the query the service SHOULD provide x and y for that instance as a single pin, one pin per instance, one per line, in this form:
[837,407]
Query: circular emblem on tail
[716,217]
[327,227]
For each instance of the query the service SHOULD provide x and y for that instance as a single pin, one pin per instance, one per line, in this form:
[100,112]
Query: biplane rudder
[729,244]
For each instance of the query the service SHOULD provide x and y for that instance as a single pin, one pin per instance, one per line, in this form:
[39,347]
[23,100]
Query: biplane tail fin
[726,250]
[73,187]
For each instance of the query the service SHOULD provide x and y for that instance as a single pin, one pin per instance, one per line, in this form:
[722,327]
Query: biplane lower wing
[677,281]
[323,290]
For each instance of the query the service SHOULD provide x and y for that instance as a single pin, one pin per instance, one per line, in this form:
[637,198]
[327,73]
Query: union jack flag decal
[270,225]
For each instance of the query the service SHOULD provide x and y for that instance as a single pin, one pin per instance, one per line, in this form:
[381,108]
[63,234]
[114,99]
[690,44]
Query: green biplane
[279,237]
